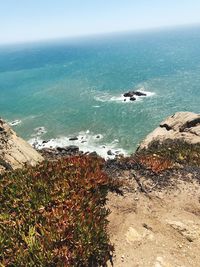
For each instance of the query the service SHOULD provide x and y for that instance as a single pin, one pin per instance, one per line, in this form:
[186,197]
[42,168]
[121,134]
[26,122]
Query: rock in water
[14,151]
[74,138]
[134,93]
[138,93]
[182,126]
[128,94]
[110,153]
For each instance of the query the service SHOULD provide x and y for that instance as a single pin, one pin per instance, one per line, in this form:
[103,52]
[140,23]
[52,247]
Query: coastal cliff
[157,220]
[182,126]
[14,151]
[146,205]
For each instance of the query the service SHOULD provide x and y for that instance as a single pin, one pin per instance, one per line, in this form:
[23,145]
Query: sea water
[60,89]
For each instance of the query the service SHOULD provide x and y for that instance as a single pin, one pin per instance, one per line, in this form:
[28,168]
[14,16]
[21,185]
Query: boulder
[74,138]
[14,151]
[188,229]
[68,150]
[128,94]
[110,153]
[132,93]
[182,126]
[45,141]
[132,98]
[138,93]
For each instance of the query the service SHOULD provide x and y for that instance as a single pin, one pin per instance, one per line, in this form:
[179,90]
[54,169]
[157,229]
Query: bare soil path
[161,229]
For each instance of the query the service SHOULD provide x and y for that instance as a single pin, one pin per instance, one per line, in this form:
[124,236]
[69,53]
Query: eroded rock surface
[14,151]
[183,126]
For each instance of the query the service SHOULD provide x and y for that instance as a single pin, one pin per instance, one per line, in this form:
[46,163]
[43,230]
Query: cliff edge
[156,221]
[182,126]
[14,151]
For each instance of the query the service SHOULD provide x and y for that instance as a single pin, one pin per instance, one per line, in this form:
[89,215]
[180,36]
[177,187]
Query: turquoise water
[73,87]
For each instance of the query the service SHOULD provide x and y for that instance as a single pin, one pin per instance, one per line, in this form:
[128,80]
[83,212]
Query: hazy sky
[25,20]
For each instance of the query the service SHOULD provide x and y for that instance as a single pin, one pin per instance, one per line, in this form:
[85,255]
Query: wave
[39,131]
[15,122]
[86,142]
[96,106]
[18,121]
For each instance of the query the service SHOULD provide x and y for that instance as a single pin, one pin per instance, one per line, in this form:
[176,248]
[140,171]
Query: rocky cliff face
[182,126]
[14,151]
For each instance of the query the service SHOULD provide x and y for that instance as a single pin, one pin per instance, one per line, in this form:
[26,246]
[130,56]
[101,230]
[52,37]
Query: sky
[28,20]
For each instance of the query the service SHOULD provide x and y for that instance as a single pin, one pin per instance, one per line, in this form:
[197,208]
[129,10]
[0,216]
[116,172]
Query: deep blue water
[73,87]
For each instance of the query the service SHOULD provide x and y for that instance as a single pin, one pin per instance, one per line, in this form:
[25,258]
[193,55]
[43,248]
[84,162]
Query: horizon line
[99,34]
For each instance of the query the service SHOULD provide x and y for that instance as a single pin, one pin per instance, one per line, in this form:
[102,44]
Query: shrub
[54,214]
[176,151]
[160,157]
[155,163]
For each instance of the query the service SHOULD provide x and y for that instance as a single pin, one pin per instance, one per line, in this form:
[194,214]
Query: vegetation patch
[54,214]
[174,152]
[155,163]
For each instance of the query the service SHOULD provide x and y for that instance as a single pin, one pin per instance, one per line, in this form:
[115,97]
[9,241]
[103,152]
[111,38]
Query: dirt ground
[158,229]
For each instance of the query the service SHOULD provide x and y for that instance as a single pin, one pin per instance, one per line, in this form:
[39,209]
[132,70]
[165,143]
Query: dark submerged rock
[131,94]
[45,141]
[110,153]
[139,93]
[74,138]
[128,94]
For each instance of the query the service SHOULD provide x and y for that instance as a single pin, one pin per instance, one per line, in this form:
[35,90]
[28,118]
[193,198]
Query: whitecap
[85,141]
[148,93]
[14,123]
[39,131]
[96,106]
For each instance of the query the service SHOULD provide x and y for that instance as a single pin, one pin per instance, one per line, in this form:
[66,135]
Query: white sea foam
[107,97]
[39,131]
[148,93]
[86,142]
[14,123]
[96,106]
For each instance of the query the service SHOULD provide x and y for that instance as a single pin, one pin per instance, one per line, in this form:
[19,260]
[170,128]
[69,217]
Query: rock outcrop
[131,95]
[134,93]
[182,126]
[14,151]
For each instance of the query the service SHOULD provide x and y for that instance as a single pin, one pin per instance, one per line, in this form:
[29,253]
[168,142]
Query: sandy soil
[159,229]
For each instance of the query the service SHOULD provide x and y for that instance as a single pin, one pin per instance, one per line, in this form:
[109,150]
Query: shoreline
[88,141]
[71,147]
[83,142]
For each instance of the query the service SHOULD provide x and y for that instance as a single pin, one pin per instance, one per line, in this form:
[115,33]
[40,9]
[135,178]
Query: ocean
[74,88]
